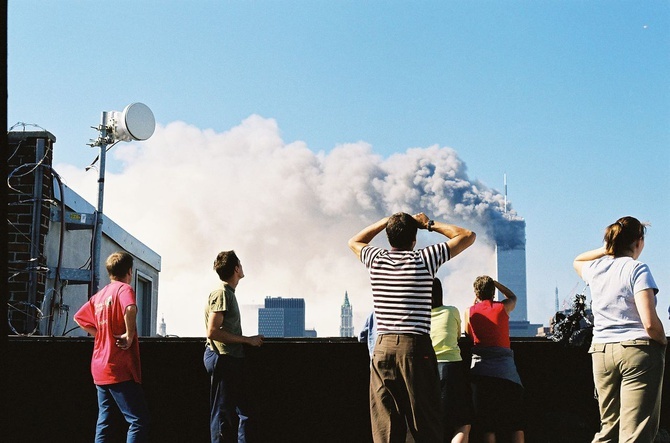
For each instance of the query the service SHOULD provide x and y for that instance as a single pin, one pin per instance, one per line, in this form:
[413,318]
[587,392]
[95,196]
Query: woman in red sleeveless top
[496,386]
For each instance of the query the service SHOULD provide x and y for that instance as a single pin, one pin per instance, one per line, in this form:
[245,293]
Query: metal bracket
[74,220]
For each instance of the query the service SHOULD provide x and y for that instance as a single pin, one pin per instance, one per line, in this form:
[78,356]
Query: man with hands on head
[404,381]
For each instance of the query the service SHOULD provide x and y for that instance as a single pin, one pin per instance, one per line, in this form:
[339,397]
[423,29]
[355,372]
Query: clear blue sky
[570,99]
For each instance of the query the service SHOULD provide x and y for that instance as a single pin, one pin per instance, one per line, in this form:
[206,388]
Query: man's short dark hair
[225,264]
[118,264]
[485,288]
[401,230]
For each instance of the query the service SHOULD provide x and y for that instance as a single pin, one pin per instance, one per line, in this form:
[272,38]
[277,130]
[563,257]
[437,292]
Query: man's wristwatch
[430,224]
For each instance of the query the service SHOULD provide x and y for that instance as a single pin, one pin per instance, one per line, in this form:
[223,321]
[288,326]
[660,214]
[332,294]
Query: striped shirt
[402,282]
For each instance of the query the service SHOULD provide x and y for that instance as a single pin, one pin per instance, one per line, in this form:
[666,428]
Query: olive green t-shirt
[224,300]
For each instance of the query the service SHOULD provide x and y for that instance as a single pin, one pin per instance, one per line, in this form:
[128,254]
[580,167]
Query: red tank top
[489,324]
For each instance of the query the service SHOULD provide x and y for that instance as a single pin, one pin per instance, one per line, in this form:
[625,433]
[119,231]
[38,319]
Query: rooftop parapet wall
[310,390]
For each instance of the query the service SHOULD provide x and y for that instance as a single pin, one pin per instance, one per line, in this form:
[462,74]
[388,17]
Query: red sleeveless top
[489,324]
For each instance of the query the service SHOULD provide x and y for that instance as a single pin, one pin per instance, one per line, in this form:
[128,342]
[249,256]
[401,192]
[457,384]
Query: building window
[143,292]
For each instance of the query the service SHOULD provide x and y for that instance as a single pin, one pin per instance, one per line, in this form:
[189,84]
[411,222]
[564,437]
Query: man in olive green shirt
[224,355]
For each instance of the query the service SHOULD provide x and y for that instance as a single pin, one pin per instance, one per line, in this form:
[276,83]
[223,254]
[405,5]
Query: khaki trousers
[405,390]
[628,377]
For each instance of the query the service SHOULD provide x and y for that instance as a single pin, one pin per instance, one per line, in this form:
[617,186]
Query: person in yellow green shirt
[455,395]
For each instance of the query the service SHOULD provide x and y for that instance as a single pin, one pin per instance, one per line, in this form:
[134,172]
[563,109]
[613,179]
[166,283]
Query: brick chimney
[29,197]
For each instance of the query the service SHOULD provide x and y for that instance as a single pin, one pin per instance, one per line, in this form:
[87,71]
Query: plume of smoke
[288,212]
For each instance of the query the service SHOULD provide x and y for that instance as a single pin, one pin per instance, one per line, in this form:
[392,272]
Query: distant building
[162,327]
[346,318]
[543,331]
[50,236]
[282,317]
[511,272]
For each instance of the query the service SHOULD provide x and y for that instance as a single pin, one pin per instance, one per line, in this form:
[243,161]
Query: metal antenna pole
[137,123]
[505,182]
[97,242]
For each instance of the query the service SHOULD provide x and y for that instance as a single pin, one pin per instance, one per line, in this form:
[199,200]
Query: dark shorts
[498,404]
[455,396]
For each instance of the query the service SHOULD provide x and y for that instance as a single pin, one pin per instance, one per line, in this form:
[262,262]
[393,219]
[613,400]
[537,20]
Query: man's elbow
[467,239]
[355,246]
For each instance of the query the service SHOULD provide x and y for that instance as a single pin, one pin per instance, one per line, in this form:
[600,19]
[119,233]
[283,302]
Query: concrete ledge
[307,390]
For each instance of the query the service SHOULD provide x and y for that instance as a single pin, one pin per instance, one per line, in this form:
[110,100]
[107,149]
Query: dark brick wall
[25,260]
[311,391]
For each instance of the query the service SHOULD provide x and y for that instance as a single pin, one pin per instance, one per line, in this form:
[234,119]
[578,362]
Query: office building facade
[282,317]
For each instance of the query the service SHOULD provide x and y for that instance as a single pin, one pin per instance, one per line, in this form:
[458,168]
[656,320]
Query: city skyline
[284,128]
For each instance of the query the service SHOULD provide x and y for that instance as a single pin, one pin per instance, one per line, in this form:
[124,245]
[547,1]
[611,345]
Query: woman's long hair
[622,234]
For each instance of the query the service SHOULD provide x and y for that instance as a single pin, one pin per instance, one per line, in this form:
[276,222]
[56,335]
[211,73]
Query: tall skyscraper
[346,318]
[511,272]
[282,317]
[511,268]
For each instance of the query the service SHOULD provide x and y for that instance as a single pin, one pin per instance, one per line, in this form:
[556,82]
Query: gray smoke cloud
[436,182]
[189,193]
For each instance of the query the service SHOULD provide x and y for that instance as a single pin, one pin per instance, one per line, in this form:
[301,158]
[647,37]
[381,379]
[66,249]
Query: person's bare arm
[467,328]
[646,306]
[587,256]
[215,332]
[124,340]
[459,238]
[510,297]
[365,236]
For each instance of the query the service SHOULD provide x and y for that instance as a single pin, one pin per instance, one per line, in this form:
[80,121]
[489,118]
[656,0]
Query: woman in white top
[628,347]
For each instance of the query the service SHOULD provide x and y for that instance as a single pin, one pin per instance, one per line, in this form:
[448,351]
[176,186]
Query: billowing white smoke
[288,212]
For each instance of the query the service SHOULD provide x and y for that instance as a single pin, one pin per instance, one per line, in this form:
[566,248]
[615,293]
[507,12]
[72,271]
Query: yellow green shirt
[445,329]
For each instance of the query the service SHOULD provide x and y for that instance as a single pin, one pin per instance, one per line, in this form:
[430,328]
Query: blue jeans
[129,398]
[229,410]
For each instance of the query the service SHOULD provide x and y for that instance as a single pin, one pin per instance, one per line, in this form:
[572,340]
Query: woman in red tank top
[496,386]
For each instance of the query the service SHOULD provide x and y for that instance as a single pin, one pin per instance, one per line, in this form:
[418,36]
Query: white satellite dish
[136,122]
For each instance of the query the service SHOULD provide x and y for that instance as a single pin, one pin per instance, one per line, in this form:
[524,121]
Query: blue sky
[570,99]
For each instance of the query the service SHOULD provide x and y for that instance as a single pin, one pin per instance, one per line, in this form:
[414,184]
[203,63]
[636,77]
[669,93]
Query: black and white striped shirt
[402,282]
